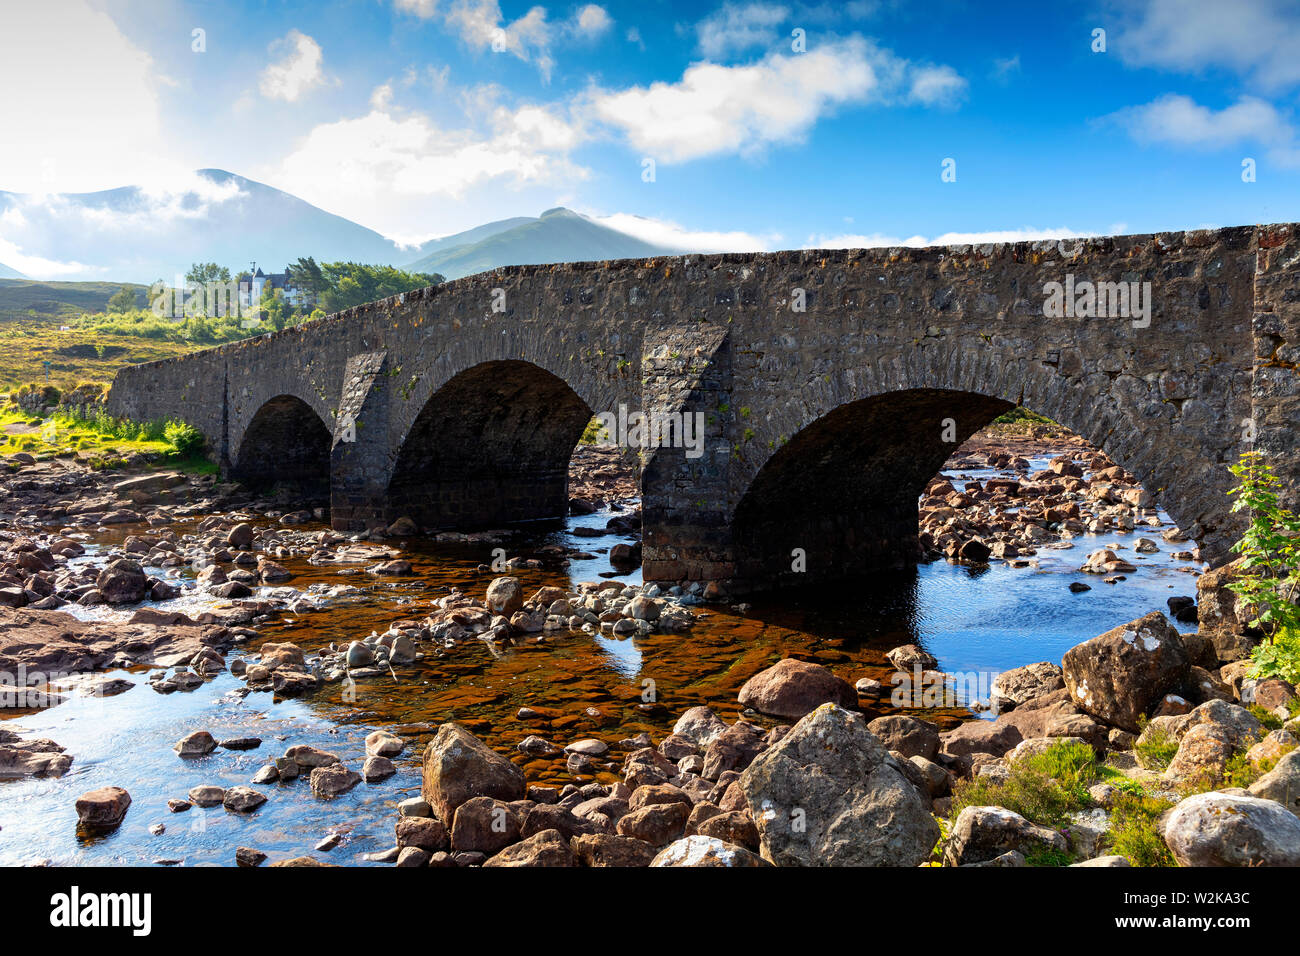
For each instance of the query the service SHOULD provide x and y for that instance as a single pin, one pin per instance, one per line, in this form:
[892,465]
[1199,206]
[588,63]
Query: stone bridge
[832,386]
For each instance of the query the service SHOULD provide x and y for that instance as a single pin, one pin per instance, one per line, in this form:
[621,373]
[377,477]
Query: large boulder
[910,736]
[1018,685]
[606,849]
[547,848]
[458,766]
[791,688]
[103,809]
[484,825]
[1282,783]
[1221,829]
[1222,615]
[701,725]
[982,834]
[1055,715]
[1118,677]
[994,737]
[830,794]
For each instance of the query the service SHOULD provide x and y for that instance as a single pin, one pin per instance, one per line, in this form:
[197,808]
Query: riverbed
[978,620]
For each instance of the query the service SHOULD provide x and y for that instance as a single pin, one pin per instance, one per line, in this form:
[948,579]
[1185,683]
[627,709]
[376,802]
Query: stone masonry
[833,385]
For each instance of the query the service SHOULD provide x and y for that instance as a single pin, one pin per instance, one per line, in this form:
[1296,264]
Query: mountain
[557,235]
[7,273]
[130,234]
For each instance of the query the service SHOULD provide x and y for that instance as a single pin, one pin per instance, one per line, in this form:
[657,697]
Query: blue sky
[419,118]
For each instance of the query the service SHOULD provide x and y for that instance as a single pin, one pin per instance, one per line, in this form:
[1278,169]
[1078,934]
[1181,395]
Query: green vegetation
[342,285]
[1020,415]
[1044,788]
[32,299]
[1155,748]
[595,433]
[33,346]
[1269,578]
[101,439]
[1270,720]
[1135,830]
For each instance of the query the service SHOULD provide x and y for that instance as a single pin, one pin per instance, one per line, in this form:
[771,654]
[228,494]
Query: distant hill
[127,235]
[23,297]
[8,273]
[557,235]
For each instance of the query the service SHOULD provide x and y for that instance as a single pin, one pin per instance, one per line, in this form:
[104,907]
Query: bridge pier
[359,449]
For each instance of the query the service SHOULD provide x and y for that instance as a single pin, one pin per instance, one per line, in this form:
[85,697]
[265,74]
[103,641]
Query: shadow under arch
[286,441]
[839,499]
[491,447]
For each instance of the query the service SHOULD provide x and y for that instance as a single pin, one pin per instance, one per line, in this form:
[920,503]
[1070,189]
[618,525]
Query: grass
[1157,751]
[74,355]
[102,440]
[1045,788]
[1134,830]
[1270,720]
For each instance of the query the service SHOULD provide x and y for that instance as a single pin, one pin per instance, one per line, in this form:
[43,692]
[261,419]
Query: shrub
[1155,748]
[595,433]
[1045,788]
[185,438]
[1269,578]
[1135,830]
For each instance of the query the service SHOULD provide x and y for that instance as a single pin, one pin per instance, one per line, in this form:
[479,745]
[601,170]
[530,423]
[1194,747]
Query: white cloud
[1005,67]
[480,24]
[936,86]
[424,9]
[369,168]
[717,109]
[1254,38]
[37,267]
[592,22]
[670,235]
[297,72]
[735,27]
[880,240]
[1181,121]
[80,109]
[1184,122]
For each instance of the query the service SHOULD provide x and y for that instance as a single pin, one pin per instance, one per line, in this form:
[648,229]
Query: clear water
[983,620]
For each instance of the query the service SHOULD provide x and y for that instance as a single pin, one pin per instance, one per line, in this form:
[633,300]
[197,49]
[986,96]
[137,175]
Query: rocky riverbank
[1146,734]
[1204,780]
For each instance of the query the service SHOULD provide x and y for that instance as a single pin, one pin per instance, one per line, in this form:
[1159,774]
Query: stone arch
[842,464]
[286,440]
[491,446]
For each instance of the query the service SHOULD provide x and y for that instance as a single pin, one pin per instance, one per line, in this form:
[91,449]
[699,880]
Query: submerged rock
[791,688]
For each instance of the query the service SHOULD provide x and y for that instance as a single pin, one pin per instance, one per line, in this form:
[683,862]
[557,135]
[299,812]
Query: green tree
[273,308]
[349,284]
[201,273]
[124,300]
